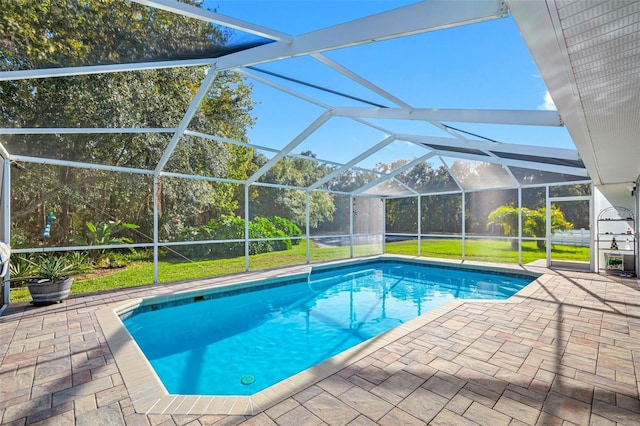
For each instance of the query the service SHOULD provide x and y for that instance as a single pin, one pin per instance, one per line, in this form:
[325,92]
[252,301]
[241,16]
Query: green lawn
[487,250]
[140,272]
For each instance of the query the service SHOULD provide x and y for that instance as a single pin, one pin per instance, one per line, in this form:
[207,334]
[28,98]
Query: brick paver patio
[567,353]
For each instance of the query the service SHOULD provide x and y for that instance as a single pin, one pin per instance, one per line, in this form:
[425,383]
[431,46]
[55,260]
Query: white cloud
[548,104]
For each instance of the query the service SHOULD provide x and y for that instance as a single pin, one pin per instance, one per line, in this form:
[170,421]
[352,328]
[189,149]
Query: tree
[402,215]
[50,33]
[533,222]
[291,203]
[426,179]
[440,213]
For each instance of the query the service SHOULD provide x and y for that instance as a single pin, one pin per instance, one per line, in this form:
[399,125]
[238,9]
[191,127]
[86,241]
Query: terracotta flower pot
[50,292]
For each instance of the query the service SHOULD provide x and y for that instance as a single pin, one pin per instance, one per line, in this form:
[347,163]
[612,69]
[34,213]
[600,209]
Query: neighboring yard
[140,270]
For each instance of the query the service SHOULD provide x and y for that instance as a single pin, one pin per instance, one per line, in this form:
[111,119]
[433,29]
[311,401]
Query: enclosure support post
[351,226]
[464,222]
[384,225]
[419,225]
[636,204]
[520,226]
[548,225]
[246,228]
[6,231]
[307,220]
[155,229]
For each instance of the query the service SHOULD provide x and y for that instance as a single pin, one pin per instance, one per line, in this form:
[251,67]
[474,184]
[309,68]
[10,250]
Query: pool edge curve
[149,396]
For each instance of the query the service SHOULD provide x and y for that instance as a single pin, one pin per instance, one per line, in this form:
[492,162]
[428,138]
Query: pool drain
[247,380]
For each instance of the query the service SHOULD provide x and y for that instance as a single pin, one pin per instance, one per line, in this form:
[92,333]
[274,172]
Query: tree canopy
[54,34]
[533,221]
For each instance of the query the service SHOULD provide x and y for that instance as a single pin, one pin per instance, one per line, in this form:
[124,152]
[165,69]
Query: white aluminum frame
[416,18]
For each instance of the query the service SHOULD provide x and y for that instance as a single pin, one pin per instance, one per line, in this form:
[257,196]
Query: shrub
[264,228]
[233,228]
[289,228]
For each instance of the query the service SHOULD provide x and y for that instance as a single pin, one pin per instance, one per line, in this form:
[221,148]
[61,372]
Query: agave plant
[47,276]
[22,267]
[44,268]
[55,268]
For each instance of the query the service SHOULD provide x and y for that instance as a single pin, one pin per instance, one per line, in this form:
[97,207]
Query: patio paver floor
[568,352]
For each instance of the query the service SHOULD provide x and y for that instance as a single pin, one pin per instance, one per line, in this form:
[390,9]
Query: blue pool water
[241,342]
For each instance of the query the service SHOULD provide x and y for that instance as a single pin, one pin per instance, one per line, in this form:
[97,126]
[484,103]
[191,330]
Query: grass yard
[140,272]
[498,251]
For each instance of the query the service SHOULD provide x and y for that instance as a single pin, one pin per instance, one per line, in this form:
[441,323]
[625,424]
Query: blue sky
[484,66]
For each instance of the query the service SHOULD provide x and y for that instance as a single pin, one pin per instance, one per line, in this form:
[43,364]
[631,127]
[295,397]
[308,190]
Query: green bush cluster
[232,228]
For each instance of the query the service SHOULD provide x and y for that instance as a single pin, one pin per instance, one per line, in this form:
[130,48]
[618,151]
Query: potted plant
[48,277]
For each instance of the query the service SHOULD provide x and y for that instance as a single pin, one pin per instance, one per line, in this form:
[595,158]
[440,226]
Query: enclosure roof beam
[517,117]
[260,147]
[102,69]
[412,19]
[83,130]
[386,141]
[553,168]
[451,174]
[393,173]
[267,149]
[242,182]
[4,153]
[358,79]
[290,146]
[281,88]
[186,119]
[67,163]
[541,151]
[205,15]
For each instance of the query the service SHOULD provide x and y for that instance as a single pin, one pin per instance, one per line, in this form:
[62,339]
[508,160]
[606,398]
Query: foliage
[233,228]
[52,34]
[22,267]
[103,233]
[533,221]
[261,227]
[610,261]
[507,217]
[289,228]
[291,203]
[47,267]
[402,215]
[424,178]
[111,259]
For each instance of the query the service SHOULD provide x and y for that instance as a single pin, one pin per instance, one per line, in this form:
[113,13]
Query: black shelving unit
[616,241]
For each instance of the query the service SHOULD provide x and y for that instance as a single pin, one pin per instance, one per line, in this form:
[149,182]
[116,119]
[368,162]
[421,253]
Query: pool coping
[149,396]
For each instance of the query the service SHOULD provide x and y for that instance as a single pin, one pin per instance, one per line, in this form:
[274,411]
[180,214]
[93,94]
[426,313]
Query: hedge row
[232,228]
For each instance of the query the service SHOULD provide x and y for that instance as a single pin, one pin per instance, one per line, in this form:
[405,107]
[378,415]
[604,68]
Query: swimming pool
[241,341]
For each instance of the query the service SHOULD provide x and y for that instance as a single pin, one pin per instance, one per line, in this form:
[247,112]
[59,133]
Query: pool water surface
[241,342]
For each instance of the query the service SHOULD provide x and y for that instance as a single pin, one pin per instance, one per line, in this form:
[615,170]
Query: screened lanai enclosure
[205,138]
